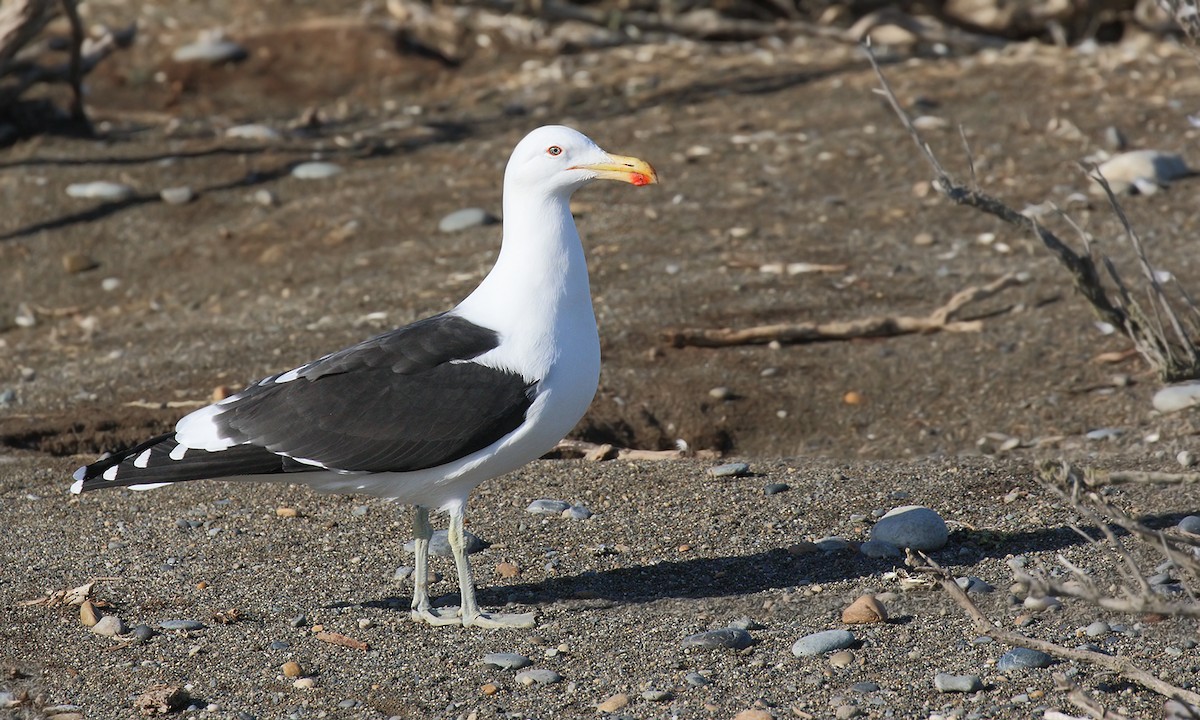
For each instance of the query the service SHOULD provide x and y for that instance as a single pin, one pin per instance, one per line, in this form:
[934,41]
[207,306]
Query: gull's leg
[421,610]
[466,583]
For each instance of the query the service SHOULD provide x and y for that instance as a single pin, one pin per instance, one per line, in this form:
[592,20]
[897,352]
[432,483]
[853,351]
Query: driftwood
[1173,354]
[941,319]
[1113,663]
[597,452]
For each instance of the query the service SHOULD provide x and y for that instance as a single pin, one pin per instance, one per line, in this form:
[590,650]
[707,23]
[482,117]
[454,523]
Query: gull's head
[557,160]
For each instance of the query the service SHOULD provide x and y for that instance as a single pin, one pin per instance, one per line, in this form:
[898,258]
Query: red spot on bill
[639,179]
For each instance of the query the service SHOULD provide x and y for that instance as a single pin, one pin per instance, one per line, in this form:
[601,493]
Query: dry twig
[597,452]
[1122,666]
[1174,360]
[941,319]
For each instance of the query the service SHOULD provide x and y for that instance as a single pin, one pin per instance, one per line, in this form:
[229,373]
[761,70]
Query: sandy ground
[769,154]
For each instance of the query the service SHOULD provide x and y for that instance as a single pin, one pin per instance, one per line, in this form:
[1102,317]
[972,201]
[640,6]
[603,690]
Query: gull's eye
[554,151]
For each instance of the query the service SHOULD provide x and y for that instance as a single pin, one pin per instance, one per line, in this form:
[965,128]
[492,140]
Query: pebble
[506,661]
[1041,604]
[745,622]
[253,131]
[88,614]
[507,570]
[212,47]
[546,506]
[866,609]
[865,687]
[280,645]
[947,683]
[912,526]
[181,625]
[731,638]
[841,659]
[265,198]
[1097,629]
[177,195]
[614,703]
[291,669]
[775,488]
[1190,524]
[306,683]
[974,585]
[75,262]
[439,544]
[878,549]
[754,714]
[143,633]
[1020,658]
[822,642]
[655,695]
[1173,398]
[316,170]
[1185,459]
[538,676]
[831,544]
[736,469]
[109,284]
[110,626]
[695,679]
[1103,434]
[100,190]
[465,219]
[720,393]
[577,512]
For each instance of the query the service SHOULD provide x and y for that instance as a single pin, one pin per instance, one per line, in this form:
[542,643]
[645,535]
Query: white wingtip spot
[199,430]
[77,486]
[142,460]
[148,486]
[178,452]
[290,375]
[111,473]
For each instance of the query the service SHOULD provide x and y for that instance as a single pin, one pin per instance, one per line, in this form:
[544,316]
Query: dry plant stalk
[923,563]
[1173,354]
[597,452]
[941,319]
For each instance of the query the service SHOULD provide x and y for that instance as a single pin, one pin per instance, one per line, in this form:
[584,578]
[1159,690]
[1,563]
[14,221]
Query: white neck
[538,290]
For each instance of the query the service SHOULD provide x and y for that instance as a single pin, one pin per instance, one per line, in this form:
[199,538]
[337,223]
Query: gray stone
[577,512]
[1021,658]
[181,625]
[1145,170]
[696,679]
[177,195]
[737,469]
[143,633]
[546,506]
[253,131]
[1097,629]
[210,49]
[1190,524]
[280,645]
[316,170]
[100,190]
[538,676]
[912,526]
[439,544]
[655,695]
[878,549]
[745,622]
[506,661]
[822,642]
[947,683]
[832,544]
[731,638]
[864,687]
[110,626]
[974,585]
[465,219]
[775,488]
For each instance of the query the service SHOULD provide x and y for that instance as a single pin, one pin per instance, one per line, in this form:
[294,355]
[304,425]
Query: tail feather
[162,460]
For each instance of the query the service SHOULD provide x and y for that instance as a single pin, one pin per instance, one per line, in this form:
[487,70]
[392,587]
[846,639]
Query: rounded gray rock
[316,170]
[577,512]
[1021,658]
[546,506]
[210,50]
[946,683]
[181,625]
[100,190]
[538,676]
[832,544]
[822,642]
[1190,524]
[177,195]
[912,526]
[737,469]
[439,544]
[465,219]
[143,633]
[1097,629]
[974,585]
[878,549]
[506,661]
[731,638]
[110,626]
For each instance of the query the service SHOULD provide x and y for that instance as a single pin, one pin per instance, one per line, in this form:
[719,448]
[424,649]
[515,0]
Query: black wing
[406,400]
